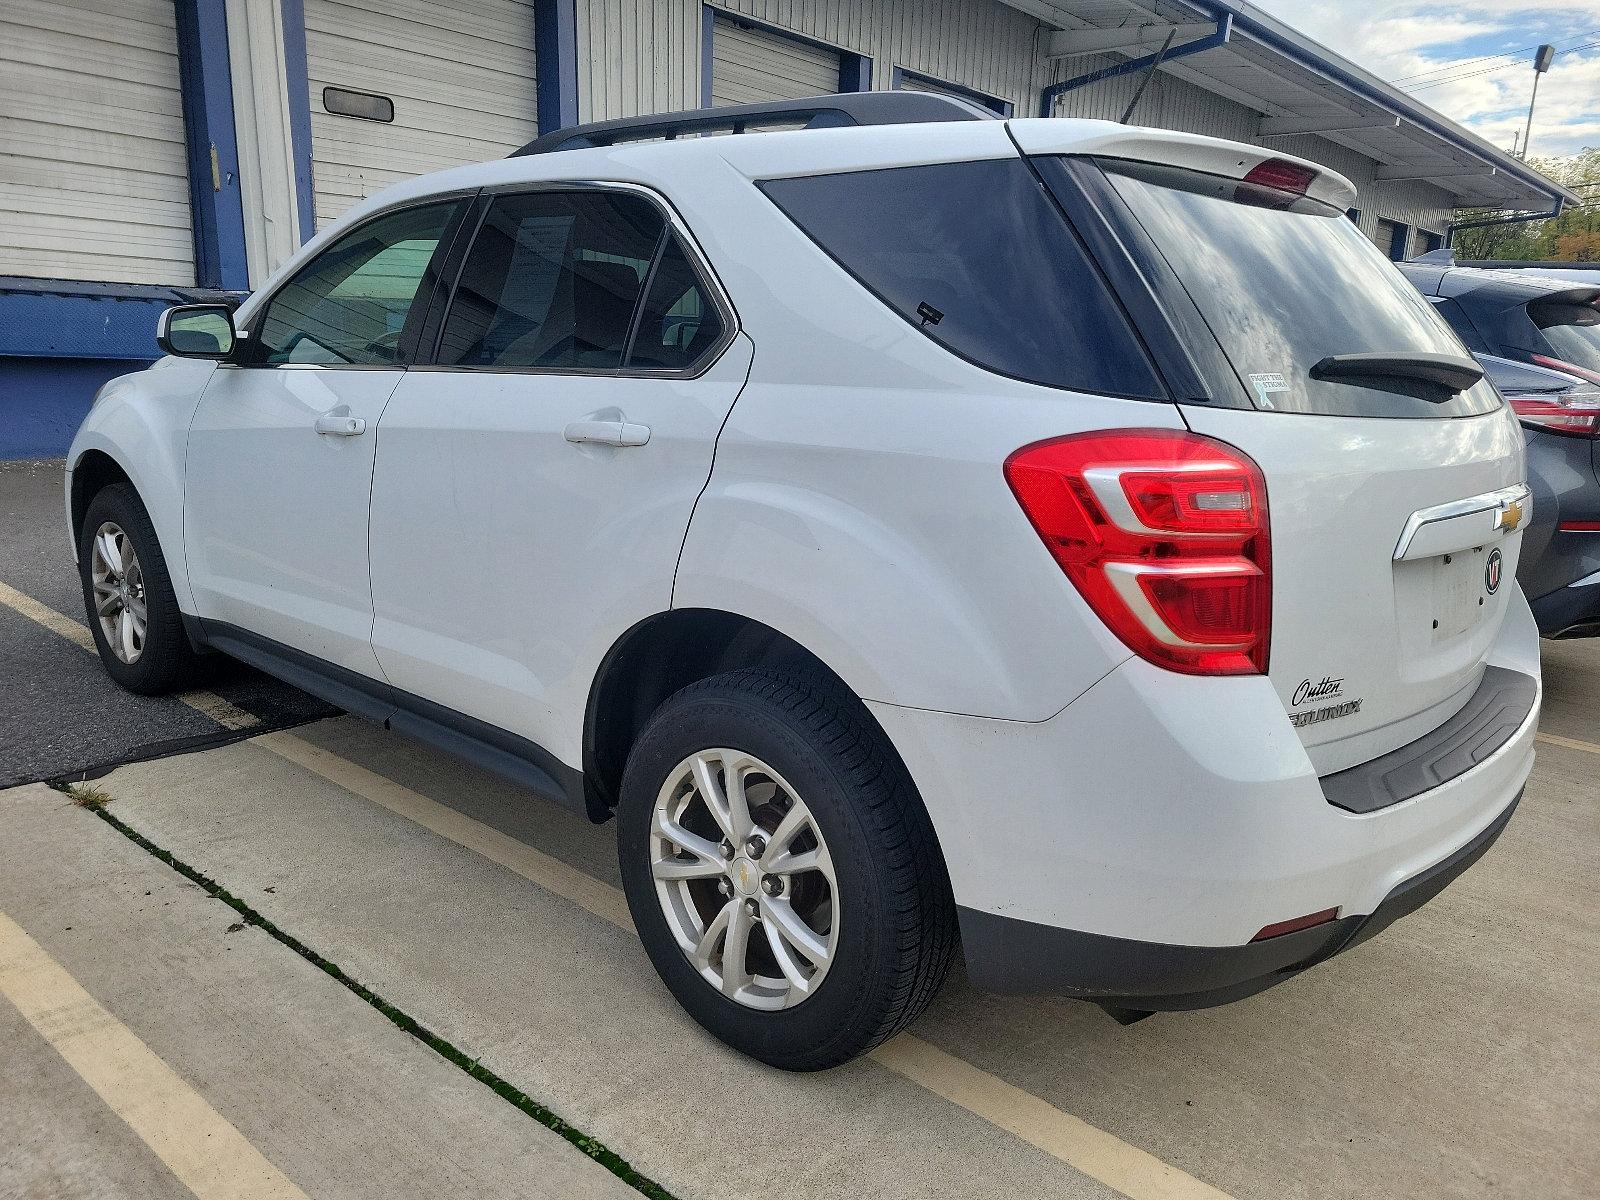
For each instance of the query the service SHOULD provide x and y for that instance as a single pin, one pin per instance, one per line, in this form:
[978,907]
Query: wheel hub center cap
[745,875]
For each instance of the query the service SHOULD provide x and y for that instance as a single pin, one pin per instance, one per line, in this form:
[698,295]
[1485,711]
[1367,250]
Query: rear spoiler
[1196,152]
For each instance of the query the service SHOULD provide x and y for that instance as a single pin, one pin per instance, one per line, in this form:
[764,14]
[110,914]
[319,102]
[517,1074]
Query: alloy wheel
[119,598]
[744,879]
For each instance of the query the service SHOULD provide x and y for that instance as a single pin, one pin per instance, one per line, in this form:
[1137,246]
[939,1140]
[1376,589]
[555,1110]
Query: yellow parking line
[43,614]
[229,716]
[207,1154]
[1097,1154]
[1569,743]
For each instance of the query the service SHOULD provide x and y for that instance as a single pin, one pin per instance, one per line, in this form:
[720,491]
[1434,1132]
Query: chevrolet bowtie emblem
[1511,516]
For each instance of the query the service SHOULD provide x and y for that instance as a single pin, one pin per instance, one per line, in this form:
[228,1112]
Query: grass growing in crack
[95,800]
[87,796]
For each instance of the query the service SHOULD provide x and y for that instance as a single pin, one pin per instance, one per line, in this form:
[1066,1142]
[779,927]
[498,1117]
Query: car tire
[795,743]
[164,660]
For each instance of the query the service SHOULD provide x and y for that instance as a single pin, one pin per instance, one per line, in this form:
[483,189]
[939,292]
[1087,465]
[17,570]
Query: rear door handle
[336,424]
[607,433]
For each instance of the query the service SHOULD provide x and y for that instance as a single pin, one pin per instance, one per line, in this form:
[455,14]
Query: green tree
[1575,234]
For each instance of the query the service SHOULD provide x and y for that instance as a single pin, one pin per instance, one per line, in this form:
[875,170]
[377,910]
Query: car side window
[348,306]
[1461,323]
[679,322]
[553,280]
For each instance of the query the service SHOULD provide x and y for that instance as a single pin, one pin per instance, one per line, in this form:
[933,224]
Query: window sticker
[1266,385]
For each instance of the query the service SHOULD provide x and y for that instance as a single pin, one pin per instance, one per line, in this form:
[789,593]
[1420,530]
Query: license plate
[1458,593]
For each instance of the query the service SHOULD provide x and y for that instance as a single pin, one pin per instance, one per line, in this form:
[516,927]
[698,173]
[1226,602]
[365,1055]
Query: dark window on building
[1285,282]
[978,258]
[349,305]
[553,280]
[368,106]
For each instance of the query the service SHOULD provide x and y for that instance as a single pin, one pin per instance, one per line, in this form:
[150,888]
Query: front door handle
[339,424]
[607,433]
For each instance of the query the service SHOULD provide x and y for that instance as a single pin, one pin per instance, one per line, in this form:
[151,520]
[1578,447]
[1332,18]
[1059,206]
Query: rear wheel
[781,871]
[128,596]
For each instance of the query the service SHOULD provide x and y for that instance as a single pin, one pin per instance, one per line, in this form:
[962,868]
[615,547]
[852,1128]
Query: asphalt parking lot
[288,954]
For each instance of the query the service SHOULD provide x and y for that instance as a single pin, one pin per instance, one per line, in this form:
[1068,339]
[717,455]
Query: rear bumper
[1136,843]
[1007,955]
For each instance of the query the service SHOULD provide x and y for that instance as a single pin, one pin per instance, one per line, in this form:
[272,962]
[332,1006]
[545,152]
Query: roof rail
[817,112]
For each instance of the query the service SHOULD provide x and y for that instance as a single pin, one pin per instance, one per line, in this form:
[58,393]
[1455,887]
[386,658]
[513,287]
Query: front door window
[349,306]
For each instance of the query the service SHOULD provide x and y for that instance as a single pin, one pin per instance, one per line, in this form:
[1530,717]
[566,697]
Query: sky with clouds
[1445,55]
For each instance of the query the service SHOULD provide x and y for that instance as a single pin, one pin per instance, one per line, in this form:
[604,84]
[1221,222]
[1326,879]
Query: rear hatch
[1394,481]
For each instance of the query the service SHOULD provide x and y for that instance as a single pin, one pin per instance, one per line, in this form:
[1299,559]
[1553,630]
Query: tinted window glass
[1285,282]
[679,324]
[552,280]
[349,304]
[1458,320]
[979,258]
[1573,331]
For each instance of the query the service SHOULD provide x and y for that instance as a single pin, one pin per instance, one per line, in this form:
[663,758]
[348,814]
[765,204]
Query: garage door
[749,66]
[94,178]
[455,80]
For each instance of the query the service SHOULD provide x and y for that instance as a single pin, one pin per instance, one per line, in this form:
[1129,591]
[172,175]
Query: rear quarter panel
[858,502]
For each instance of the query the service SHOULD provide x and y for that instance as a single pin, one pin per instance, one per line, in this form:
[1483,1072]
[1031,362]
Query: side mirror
[196,331]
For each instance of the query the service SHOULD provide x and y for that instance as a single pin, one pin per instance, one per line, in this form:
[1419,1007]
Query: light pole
[1541,64]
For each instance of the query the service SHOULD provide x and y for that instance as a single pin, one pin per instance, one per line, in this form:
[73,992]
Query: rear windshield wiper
[1445,375]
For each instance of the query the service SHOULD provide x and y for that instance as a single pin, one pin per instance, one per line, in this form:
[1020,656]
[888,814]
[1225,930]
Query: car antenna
[1148,75]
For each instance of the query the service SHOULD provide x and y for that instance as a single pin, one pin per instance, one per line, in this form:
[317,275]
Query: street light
[1541,64]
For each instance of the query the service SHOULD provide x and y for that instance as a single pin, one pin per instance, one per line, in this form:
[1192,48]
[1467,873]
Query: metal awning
[1299,87]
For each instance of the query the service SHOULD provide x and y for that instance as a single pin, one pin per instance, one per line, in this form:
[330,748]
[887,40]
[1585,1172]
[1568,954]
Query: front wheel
[129,599]
[781,870]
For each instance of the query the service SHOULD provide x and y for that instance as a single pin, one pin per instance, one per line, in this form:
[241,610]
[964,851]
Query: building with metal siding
[156,150]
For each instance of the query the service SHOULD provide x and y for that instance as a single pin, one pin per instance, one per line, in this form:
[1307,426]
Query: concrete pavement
[1453,1056]
[236,1067]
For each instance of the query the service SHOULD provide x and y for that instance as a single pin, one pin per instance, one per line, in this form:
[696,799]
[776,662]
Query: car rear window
[1285,282]
[977,256]
[1573,331]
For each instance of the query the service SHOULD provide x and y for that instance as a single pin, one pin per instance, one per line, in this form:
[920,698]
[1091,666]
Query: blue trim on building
[1282,39]
[993,103]
[855,70]
[708,33]
[555,51]
[1219,37]
[66,318]
[47,399]
[216,207]
[1399,241]
[298,85]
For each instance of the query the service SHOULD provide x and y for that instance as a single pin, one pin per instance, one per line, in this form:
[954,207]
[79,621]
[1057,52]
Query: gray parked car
[1538,338]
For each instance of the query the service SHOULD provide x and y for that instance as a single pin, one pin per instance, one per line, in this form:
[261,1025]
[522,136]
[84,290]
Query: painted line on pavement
[1554,739]
[196,1142]
[42,614]
[1100,1155]
[229,716]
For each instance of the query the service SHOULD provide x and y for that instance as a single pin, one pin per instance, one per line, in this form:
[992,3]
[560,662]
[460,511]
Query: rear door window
[1285,282]
[1458,320]
[1572,331]
[977,257]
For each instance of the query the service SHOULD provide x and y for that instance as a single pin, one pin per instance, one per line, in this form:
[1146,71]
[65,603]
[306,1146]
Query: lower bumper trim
[1008,955]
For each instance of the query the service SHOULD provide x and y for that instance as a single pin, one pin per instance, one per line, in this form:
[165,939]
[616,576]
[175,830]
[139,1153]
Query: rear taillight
[1577,414]
[1164,533]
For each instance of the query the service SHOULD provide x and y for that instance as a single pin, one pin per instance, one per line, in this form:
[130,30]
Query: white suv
[1069,538]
